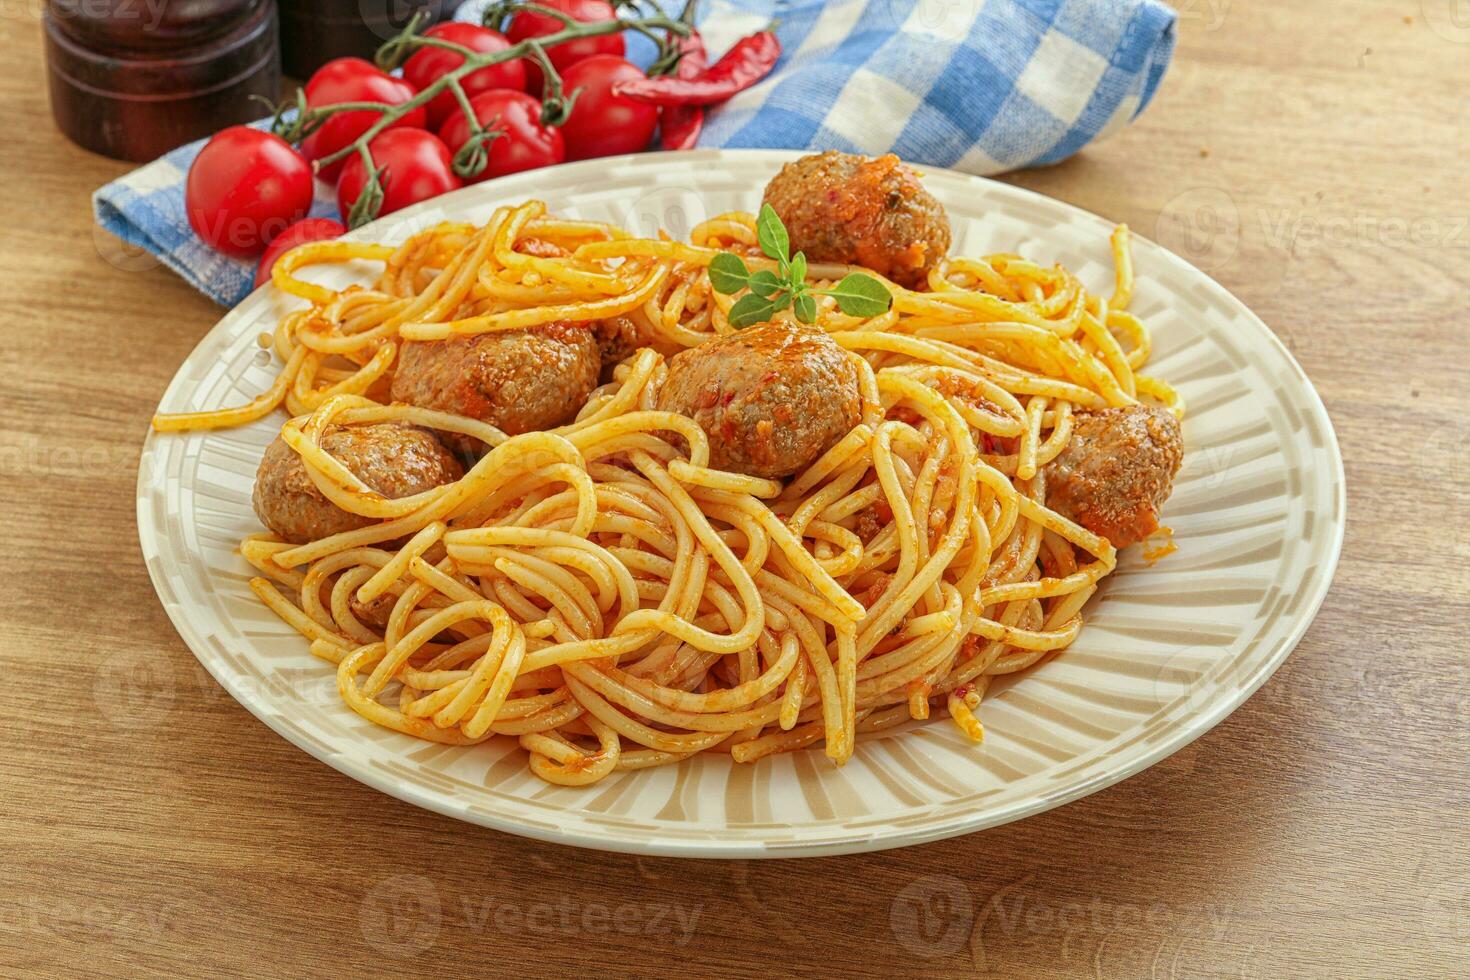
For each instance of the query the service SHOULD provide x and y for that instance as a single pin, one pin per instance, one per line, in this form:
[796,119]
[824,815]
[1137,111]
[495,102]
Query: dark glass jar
[132,79]
[314,32]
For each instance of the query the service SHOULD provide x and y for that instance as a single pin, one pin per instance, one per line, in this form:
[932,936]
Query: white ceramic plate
[1167,652]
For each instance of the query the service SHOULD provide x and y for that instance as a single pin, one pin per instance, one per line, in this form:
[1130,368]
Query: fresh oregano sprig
[771,292]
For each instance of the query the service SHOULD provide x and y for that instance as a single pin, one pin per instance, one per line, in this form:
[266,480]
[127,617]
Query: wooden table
[1313,155]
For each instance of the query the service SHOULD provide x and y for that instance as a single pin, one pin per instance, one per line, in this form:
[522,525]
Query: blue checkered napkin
[146,208]
[978,85]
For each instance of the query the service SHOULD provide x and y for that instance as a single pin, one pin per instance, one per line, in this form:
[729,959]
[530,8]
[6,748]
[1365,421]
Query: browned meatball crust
[771,398]
[838,207]
[620,337]
[395,460]
[517,380]
[375,613]
[617,339]
[1117,471]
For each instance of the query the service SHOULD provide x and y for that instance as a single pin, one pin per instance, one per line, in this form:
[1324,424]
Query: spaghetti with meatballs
[534,483]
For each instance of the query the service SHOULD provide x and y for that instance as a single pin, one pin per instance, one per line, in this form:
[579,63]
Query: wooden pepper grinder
[132,79]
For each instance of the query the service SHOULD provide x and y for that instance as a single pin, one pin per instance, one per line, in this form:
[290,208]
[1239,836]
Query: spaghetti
[602,594]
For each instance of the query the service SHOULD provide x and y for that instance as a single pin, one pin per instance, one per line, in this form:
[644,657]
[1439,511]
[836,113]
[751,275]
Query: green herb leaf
[766,284]
[728,273]
[798,268]
[749,310]
[860,295]
[772,292]
[771,233]
[806,308]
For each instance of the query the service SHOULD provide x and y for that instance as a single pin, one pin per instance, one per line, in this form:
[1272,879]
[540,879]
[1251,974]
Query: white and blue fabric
[982,86]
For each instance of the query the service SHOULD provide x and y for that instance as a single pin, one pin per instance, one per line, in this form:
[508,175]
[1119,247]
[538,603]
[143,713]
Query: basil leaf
[727,273]
[860,295]
[798,268]
[765,284]
[771,234]
[749,310]
[806,308]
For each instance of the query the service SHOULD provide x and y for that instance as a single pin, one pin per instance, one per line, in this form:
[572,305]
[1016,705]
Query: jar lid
[168,74]
[140,26]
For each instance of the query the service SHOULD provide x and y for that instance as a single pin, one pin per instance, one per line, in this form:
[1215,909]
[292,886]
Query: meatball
[617,339]
[838,207]
[517,380]
[375,613]
[395,460]
[771,398]
[1117,471]
[620,337]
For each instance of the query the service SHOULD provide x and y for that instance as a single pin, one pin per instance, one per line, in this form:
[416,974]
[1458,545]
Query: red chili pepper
[750,60]
[693,59]
[679,126]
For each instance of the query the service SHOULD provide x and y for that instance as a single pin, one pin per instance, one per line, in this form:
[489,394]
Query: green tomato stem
[475,60]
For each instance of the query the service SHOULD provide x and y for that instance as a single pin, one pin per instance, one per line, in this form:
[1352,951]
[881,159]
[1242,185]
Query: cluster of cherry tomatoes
[248,189]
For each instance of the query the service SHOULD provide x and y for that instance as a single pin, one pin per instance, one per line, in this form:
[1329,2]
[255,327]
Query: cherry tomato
[603,124]
[417,165]
[530,23]
[352,80]
[430,64]
[309,230]
[524,143]
[244,188]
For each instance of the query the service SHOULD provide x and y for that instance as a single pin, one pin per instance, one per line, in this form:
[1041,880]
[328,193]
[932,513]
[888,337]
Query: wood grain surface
[1314,156]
